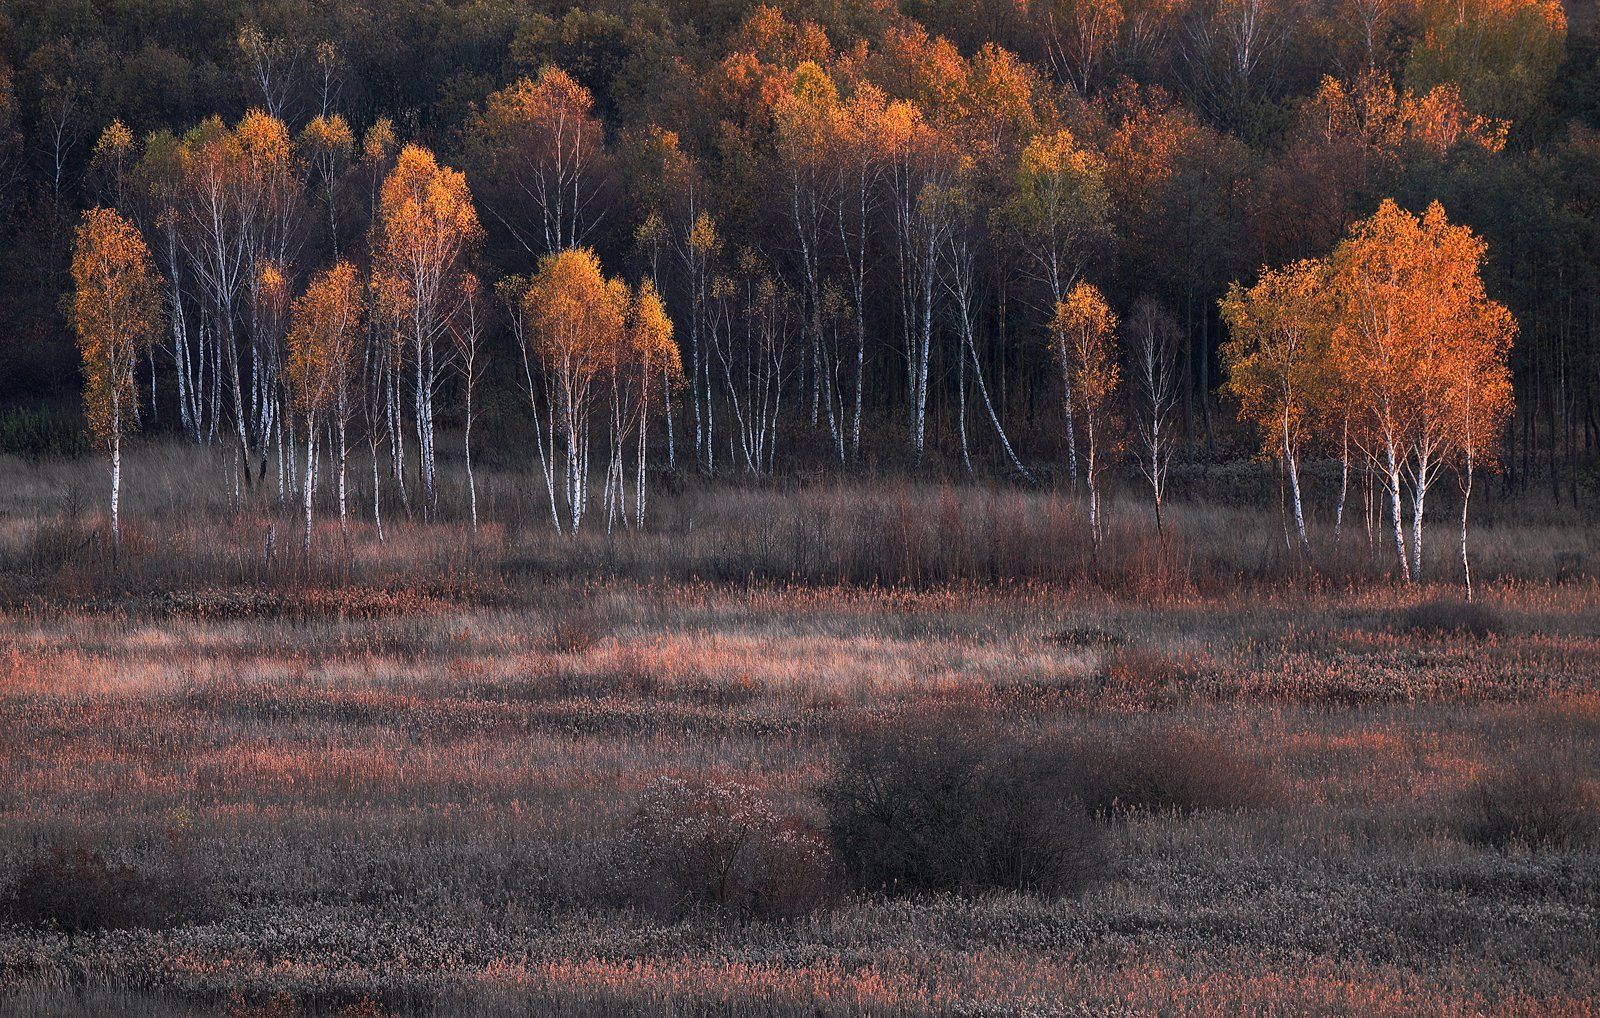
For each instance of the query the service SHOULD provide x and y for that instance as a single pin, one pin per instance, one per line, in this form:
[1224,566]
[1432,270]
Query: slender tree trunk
[1292,462]
[472,484]
[1419,495]
[1466,497]
[310,486]
[116,489]
[1344,483]
[1393,472]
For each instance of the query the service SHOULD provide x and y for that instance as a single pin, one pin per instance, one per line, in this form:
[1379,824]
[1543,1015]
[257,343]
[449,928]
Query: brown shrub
[963,811]
[1147,676]
[1449,616]
[77,890]
[1166,769]
[573,636]
[278,1006]
[723,848]
[1544,806]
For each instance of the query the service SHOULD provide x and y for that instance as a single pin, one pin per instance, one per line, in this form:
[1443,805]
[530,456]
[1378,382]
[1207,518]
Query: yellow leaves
[1053,153]
[263,140]
[804,113]
[271,293]
[650,332]
[426,220]
[1000,93]
[1084,309]
[1058,182]
[1371,113]
[1084,328]
[325,323]
[115,144]
[1393,332]
[703,238]
[580,323]
[379,142]
[550,110]
[330,136]
[1276,353]
[573,315]
[115,308]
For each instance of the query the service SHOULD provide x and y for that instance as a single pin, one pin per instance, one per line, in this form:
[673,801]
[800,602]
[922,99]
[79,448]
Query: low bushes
[1449,616]
[39,434]
[981,808]
[959,811]
[1535,807]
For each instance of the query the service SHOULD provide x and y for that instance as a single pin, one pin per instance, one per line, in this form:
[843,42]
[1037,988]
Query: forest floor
[404,783]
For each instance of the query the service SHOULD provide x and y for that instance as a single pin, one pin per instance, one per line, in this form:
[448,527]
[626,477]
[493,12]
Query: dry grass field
[509,774]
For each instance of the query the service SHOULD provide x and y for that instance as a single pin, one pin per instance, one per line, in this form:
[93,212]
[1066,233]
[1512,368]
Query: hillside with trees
[864,222]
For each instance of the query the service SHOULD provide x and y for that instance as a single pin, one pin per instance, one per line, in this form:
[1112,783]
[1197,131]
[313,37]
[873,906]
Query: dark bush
[1171,768]
[1533,806]
[722,847]
[959,811]
[573,636]
[1450,616]
[77,890]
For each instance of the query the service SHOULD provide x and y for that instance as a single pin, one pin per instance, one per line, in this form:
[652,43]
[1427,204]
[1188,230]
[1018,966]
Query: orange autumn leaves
[115,311]
[1390,344]
[1085,328]
[323,340]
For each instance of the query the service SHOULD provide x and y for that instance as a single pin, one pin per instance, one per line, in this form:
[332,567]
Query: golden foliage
[115,311]
[1085,326]
[426,222]
[326,323]
[1276,353]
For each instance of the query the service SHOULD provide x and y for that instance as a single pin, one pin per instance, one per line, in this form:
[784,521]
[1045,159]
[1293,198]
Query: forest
[813,238]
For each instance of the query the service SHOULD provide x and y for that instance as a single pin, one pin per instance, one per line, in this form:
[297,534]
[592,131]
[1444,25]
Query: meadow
[486,772]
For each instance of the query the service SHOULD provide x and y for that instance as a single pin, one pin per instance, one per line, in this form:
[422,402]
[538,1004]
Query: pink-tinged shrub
[723,848]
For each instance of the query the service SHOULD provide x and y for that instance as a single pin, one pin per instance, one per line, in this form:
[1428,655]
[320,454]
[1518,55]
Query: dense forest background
[1229,134]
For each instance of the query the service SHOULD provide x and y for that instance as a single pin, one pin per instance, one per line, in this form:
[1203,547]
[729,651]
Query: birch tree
[1153,357]
[115,312]
[1085,329]
[541,147]
[1277,363]
[325,334]
[426,228]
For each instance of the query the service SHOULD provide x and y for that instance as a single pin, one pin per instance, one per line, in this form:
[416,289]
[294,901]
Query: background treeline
[1205,139]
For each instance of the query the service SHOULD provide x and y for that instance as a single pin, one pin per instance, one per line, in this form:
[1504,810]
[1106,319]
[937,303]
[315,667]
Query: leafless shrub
[1546,806]
[724,848]
[1148,676]
[958,811]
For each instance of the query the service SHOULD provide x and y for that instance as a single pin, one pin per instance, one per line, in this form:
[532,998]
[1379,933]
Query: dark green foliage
[37,434]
